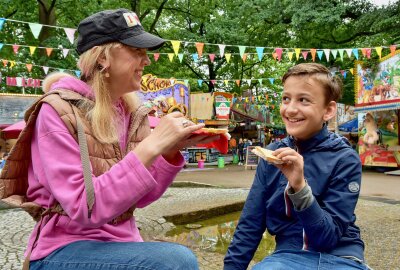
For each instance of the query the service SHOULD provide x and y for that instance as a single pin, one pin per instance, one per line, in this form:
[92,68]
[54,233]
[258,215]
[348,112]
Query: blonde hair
[102,115]
[320,73]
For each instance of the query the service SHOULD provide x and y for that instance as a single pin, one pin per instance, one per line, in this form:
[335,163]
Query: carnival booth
[377,105]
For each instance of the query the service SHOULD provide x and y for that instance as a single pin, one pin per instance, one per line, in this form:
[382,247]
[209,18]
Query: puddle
[215,235]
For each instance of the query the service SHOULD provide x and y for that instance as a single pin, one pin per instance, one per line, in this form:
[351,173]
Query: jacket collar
[305,145]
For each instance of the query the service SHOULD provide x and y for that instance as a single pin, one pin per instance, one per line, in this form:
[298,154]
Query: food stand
[377,104]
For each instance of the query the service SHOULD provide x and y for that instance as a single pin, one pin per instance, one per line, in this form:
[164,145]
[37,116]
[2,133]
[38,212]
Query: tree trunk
[47,15]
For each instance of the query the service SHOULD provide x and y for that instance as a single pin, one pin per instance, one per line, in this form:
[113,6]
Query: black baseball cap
[120,25]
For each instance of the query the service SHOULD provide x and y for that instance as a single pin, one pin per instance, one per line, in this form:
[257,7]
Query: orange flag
[48,51]
[29,67]
[392,49]
[199,47]
[238,82]
[313,52]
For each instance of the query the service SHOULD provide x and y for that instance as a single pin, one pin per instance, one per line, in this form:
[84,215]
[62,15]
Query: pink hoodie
[55,175]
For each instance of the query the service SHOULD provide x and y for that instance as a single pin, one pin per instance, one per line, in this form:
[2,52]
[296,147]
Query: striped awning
[378,106]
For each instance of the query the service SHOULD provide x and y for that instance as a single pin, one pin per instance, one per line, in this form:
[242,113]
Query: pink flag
[156,56]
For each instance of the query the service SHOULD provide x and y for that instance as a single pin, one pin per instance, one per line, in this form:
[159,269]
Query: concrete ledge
[190,184]
[194,216]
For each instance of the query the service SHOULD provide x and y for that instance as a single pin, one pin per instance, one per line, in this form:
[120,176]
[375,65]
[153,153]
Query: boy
[308,202]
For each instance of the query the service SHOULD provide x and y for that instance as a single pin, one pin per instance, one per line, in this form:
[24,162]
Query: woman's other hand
[173,133]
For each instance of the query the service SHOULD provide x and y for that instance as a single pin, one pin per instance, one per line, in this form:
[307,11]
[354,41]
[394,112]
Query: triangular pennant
[248,82]
[29,67]
[78,73]
[297,51]
[271,80]
[172,81]
[341,51]
[186,82]
[334,53]
[313,52]
[1,46]
[279,53]
[392,49]
[35,28]
[32,49]
[61,69]
[228,57]
[48,51]
[304,54]
[290,55]
[65,52]
[242,49]
[195,57]
[244,57]
[320,54]
[221,49]
[199,47]
[355,52]
[2,20]
[46,70]
[238,82]
[12,63]
[351,71]
[70,32]
[368,50]
[344,74]
[260,51]
[175,46]
[200,82]
[5,62]
[180,57]
[211,56]
[379,51]
[226,82]
[349,51]
[260,81]
[15,48]
[364,52]
[171,57]
[213,82]
[327,53]
[156,56]
[274,55]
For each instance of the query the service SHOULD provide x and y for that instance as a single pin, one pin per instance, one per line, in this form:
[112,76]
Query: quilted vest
[14,176]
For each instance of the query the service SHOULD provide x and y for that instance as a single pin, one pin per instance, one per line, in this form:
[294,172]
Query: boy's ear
[330,111]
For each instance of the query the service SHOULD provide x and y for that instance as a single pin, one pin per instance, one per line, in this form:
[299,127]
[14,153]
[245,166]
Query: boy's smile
[303,107]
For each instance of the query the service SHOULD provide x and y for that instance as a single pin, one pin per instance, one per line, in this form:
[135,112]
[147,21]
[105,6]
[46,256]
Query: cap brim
[144,41]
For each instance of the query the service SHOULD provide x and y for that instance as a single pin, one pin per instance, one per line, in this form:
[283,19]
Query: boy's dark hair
[331,84]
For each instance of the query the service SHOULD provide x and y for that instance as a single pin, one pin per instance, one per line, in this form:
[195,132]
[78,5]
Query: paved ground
[378,215]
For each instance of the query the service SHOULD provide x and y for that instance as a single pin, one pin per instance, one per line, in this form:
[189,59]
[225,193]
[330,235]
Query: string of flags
[276,52]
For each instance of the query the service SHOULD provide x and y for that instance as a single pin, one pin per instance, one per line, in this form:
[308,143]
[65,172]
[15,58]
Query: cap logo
[131,19]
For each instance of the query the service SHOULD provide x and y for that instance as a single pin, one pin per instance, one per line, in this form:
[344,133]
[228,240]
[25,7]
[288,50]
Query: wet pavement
[377,215]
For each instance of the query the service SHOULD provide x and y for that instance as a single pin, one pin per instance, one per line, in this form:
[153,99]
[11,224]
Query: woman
[89,224]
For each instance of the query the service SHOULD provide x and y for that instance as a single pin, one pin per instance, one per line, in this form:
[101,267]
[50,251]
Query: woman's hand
[292,168]
[173,133]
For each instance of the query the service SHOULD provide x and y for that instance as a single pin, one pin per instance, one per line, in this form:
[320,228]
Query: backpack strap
[87,173]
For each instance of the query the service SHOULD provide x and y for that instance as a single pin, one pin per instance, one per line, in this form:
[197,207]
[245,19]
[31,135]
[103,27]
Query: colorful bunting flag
[156,56]
[334,53]
[1,46]
[211,56]
[228,57]
[341,51]
[29,67]
[15,48]
[65,52]
[392,49]
[5,62]
[78,73]
[171,56]
[327,53]
[379,51]
[290,55]
[297,51]
[244,57]
[180,57]
[48,51]
[348,51]
[238,82]
[320,54]
[242,50]
[313,52]
[70,32]
[35,29]
[175,46]
[32,49]
[195,57]
[271,80]
[226,82]
[278,53]
[199,47]
[304,53]
[355,52]
[260,51]
[221,49]
[2,20]
[45,69]
[200,82]
[368,50]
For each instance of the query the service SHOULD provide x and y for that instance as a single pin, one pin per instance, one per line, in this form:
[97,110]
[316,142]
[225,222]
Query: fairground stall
[377,104]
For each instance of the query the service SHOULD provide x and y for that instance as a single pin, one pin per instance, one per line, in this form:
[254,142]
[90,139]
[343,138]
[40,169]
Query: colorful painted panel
[378,143]
[378,88]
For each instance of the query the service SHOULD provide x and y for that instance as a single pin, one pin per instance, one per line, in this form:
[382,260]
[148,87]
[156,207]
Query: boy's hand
[292,168]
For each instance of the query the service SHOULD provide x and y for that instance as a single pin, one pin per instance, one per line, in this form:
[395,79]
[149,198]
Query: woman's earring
[107,75]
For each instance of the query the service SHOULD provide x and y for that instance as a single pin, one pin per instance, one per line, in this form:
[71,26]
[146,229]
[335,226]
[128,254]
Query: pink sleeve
[127,183]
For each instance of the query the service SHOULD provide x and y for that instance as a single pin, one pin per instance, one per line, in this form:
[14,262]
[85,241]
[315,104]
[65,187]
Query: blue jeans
[307,260]
[91,255]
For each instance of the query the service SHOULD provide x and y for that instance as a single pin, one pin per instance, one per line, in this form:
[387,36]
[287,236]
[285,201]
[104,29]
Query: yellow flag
[297,50]
[351,71]
[171,57]
[290,55]
[175,45]
[379,51]
[226,82]
[32,49]
[228,57]
[12,63]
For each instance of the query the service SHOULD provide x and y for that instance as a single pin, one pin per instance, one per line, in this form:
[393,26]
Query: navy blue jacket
[333,171]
